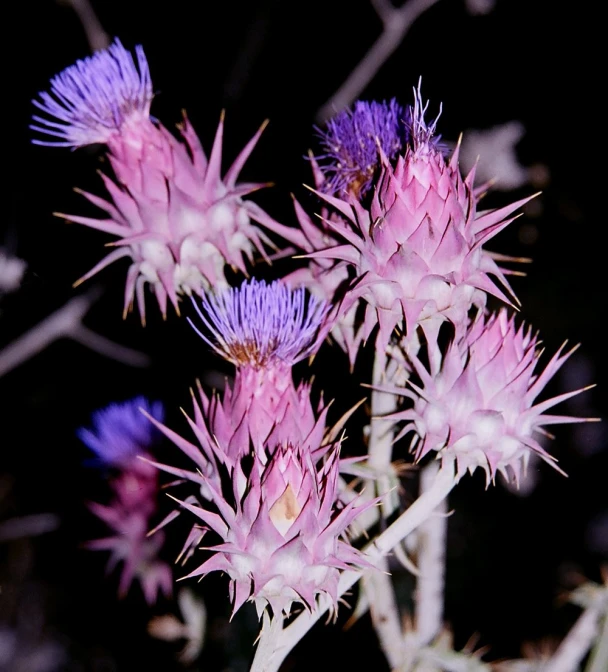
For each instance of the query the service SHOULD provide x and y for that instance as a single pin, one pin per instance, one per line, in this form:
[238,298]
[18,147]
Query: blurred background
[517,77]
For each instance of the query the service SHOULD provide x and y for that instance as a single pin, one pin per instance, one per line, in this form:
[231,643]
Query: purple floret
[90,100]
[350,144]
[121,432]
[257,323]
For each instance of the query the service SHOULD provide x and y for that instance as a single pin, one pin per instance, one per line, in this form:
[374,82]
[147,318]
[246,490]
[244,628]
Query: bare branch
[96,35]
[67,323]
[396,21]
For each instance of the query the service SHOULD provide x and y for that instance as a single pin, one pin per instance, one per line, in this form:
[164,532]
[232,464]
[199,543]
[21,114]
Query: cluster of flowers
[398,252]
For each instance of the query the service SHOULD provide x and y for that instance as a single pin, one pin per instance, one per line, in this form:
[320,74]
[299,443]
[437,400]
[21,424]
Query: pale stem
[267,643]
[598,661]
[382,603]
[577,643]
[396,21]
[431,564]
[96,35]
[379,586]
[418,512]
[66,323]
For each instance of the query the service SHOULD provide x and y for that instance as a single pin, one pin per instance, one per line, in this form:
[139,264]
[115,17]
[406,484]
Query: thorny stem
[412,518]
[431,564]
[396,22]
[67,323]
[267,643]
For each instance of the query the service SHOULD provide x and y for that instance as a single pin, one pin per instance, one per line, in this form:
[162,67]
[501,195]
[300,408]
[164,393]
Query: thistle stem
[378,585]
[267,644]
[431,564]
[598,661]
[384,611]
[577,642]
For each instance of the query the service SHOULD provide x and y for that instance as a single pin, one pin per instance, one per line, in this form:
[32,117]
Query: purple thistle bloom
[92,99]
[258,324]
[121,432]
[351,144]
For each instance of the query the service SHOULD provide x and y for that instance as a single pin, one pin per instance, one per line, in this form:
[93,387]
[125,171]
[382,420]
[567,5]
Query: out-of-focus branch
[67,323]
[396,21]
[96,35]
[28,526]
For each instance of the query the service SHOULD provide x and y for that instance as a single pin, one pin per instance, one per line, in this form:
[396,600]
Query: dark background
[510,556]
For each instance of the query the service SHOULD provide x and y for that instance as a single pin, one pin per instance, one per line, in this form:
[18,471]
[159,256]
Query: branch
[396,22]
[431,565]
[96,35]
[67,323]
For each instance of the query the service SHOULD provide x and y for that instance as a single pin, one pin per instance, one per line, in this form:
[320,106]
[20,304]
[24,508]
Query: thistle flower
[480,408]
[122,435]
[262,326]
[352,142]
[417,251]
[264,330]
[281,530]
[176,217]
[94,100]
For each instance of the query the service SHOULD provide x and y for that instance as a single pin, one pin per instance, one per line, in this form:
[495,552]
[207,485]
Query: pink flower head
[480,409]
[416,251]
[177,219]
[122,435]
[281,530]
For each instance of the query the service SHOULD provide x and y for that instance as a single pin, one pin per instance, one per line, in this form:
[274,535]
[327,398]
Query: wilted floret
[422,137]
[91,100]
[480,409]
[120,432]
[352,142]
[258,324]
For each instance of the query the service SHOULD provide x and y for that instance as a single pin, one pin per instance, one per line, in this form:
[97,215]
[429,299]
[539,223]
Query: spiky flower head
[259,325]
[176,217]
[417,250]
[121,435]
[480,408]
[92,100]
[120,432]
[129,544]
[352,142]
[281,530]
